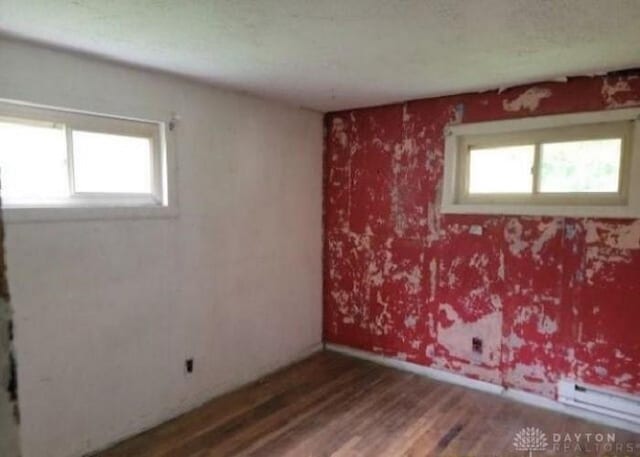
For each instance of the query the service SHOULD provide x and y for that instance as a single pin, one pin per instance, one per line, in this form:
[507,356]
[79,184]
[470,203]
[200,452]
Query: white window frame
[95,205]
[623,123]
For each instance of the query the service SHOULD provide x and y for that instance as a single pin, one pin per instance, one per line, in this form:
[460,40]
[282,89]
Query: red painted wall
[551,297]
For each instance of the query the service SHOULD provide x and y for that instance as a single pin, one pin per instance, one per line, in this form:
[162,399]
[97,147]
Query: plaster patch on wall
[548,231]
[455,335]
[547,326]
[513,237]
[338,131]
[404,163]
[532,377]
[501,267]
[473,370]
[599,260]
[410,322]
[433,278]
[514,341]
[617,236]
[622,379]
[382,323]
[601,371]
[433,223]
[619,94]
[413,279]
[528,100]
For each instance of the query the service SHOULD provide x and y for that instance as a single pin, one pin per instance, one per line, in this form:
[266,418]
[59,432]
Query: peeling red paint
[550,297]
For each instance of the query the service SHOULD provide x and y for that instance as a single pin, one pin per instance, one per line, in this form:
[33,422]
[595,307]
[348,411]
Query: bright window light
[106,163]
[55,158]
[501,170]
[33,162]
[581,166]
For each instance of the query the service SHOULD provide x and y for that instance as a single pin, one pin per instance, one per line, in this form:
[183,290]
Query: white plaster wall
[107,310]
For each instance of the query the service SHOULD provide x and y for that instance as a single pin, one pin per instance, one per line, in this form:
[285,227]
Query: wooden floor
[332,405]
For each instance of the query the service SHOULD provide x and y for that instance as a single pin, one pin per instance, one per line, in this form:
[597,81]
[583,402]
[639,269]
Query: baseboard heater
[622,406]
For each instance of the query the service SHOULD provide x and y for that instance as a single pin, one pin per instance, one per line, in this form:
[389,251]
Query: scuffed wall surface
[9,414]
[549,297]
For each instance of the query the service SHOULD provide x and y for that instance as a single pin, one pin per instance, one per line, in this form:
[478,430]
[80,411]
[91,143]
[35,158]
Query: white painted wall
[107,310]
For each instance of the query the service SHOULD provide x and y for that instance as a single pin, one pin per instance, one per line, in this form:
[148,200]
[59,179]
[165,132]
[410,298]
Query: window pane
[580,166]
[111,163]
[501,170]
[33,162]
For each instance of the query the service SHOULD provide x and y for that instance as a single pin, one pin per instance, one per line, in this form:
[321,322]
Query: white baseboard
[403,365]
[512,394]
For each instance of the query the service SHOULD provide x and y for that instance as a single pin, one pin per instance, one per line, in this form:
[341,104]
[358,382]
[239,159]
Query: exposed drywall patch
[529,100]
[617,236]
[547,326]
[548,231]
[513,237]
[338,131]
[412,279]
[623,379]
[455,336]
[514,341]
[598,262]
[532,377]
[619,93]
[433,281]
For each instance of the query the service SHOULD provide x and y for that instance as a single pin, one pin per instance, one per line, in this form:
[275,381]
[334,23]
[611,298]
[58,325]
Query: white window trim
[454,136]
[96,206]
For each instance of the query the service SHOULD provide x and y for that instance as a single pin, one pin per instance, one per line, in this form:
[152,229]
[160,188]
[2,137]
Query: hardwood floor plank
[331,405]
[230,437]
[215,412]
[303,428]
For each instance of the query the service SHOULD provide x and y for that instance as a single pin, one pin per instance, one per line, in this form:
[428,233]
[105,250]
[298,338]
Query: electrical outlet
[188,364]
[476,345]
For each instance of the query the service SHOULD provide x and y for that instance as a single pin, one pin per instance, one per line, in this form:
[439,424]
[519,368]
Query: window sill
[598,211]
[17,215]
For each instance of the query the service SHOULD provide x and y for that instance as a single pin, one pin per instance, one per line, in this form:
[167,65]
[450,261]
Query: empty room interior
[332,228]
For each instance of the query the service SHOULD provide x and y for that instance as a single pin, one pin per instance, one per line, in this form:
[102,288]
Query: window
[516,161]
[53,158]
[574,165]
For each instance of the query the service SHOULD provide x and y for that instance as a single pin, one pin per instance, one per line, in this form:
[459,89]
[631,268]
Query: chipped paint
[620,93]
[528,100]
[612,235]
[549,297]
[513,237]
[453,336]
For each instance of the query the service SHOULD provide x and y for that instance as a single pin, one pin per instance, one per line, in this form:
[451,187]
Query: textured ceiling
[334,54]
